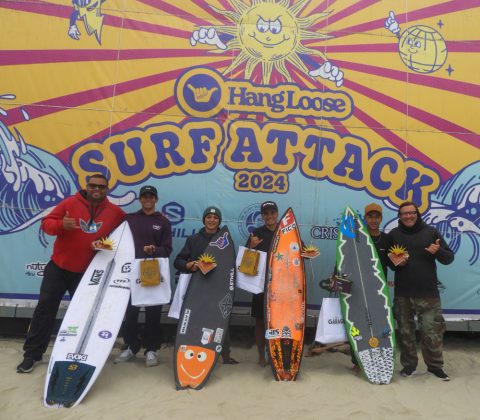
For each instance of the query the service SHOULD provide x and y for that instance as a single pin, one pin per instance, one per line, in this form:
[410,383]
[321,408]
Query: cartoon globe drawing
[422,49]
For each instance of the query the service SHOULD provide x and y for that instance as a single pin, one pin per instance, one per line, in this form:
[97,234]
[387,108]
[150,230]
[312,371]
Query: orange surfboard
[285,300]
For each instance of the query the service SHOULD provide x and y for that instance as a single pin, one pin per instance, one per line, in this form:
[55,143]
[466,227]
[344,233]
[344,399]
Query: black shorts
[257,306]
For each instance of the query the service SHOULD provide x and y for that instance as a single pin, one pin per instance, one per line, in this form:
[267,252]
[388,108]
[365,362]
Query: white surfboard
[91,324]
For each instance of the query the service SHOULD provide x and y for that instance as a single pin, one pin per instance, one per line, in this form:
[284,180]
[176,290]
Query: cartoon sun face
[422,49]
[272,36]
[270,33]
[193,365]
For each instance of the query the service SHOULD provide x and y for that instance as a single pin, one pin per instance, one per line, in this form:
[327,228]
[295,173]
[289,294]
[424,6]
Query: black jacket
[195,246]
[418,278]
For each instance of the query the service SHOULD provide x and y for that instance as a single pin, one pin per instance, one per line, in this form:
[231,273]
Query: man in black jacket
[195,245]
[416,290]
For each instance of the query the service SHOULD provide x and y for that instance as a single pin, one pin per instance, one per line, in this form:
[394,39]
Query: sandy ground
[326,389]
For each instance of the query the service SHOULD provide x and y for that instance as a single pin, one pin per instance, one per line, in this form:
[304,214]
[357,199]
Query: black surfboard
[205,315]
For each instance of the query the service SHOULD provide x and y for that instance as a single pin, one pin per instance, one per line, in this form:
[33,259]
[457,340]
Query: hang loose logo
[221,242]
[202,94]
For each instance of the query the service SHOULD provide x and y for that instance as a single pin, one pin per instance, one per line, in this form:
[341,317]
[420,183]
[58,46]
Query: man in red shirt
[77,221]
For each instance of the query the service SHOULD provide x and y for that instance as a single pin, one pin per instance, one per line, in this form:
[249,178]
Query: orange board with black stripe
[285,300]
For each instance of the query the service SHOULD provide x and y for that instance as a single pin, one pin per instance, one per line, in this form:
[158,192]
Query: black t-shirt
[382,244]
[264,233]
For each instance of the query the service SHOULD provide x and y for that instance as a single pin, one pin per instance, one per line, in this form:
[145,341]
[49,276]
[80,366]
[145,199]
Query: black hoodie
[418,278]
[150,229]
[195,246]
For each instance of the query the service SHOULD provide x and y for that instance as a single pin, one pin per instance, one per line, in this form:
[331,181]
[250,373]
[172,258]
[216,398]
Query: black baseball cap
[148,189]
[268,205]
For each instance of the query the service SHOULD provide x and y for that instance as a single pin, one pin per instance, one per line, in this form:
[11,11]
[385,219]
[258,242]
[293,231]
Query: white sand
[327,389]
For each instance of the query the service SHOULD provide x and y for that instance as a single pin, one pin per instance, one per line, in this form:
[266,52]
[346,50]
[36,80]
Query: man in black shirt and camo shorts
[260,239]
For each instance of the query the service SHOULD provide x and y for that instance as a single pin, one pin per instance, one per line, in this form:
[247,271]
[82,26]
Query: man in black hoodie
[152,237]
[416,290]
[195,245]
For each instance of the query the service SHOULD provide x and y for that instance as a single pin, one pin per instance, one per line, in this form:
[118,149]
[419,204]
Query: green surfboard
[365,300]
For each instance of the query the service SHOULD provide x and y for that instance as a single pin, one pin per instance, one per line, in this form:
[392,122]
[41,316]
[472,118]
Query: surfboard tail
[193,366]
[68,381]
[286,358]
[378,364]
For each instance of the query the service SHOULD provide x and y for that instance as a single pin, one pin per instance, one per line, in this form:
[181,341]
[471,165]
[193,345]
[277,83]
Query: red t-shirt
[72,249]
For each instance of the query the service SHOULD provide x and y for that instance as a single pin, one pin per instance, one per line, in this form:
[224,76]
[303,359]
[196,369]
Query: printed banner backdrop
[313,104]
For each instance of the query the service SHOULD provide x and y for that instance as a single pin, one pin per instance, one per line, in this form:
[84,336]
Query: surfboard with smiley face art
[205,315]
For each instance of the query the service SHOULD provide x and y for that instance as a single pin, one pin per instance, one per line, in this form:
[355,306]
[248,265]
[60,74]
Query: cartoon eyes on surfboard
[193,364]
[201,356]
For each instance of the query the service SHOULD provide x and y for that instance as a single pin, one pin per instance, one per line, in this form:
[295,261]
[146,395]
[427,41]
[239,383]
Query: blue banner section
[318,207]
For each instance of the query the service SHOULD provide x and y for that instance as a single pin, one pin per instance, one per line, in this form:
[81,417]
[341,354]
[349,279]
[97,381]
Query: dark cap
[268,205]
[372,207]
[148,189]
[212,210]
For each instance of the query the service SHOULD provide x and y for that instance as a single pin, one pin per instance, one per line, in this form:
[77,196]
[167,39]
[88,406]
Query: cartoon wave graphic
[455,211]
[28,185]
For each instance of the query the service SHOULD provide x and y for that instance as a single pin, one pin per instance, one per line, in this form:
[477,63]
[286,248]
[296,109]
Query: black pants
[151,332]
[56,281]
